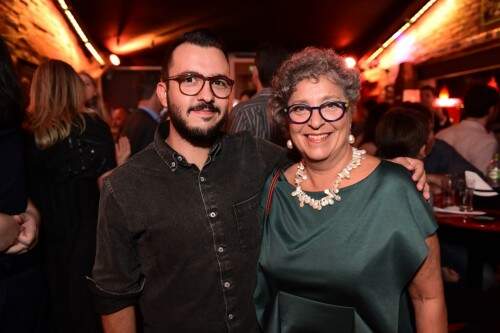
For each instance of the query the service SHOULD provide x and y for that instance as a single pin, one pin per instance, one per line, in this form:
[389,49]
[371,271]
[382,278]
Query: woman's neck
[321,174]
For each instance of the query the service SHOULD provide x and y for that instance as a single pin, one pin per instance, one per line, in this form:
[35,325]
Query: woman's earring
[289,144]
[351,139]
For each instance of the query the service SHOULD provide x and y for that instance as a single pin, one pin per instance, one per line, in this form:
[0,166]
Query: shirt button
[213,214]
[220,249]
[202,179]
[227,284]
[179,158]
[172,164]
[230,316]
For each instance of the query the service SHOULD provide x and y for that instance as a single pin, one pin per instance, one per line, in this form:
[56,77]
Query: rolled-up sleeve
[116,280]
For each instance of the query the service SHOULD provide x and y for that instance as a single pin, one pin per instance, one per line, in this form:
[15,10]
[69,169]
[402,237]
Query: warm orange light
[94,53]
[114,59]
[350,62]
[79,31]
[63,4]
[76,26]
[132,45]
[400,31]
[493,83]
[444,93]
[156,37]
[444,100]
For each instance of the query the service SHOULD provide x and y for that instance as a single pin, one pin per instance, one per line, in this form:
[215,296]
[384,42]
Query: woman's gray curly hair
[311,63]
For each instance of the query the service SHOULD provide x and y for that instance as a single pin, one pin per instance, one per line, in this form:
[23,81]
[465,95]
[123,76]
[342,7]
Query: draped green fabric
[347,267]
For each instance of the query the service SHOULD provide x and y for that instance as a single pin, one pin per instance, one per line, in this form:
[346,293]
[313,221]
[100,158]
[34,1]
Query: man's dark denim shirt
[182,244]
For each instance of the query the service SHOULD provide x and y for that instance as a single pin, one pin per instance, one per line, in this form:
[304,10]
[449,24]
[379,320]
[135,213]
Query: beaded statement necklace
[332,194]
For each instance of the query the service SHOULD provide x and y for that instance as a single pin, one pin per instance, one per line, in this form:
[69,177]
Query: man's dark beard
[196,136]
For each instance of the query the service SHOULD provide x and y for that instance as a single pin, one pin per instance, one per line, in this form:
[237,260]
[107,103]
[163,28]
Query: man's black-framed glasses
[191,84]
[330,111]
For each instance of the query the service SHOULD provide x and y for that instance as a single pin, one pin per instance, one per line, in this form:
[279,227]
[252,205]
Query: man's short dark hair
[401,132]
[428,114]
[268,59]
[200,37]
[429,88]
[478,101]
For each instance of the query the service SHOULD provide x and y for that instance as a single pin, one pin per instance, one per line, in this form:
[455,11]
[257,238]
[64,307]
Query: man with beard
[178,234]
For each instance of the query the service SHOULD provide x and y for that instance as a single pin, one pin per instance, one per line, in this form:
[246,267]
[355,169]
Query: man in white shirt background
[470,137]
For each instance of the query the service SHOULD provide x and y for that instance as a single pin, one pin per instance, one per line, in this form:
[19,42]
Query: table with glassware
[478,232]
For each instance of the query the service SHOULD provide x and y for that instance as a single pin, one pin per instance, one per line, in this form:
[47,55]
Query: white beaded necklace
[332,194]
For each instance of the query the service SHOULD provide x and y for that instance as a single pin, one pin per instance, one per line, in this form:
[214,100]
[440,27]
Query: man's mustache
[204,106]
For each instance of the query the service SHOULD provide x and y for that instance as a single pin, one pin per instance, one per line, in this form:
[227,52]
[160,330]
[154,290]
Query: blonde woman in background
[71,149]
[93,100]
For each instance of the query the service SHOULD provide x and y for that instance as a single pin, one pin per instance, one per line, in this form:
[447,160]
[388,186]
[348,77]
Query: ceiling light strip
[398,33]
[80,33]
[94,53]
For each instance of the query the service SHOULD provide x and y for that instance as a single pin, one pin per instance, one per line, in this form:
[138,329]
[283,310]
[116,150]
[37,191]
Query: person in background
[402,132]
[253,115]
[246,95]
[336,252]
[428,98]
[93,100]
[470,138]
[374,113]
[143,121]
[119,118]
[70,149]
[22,291]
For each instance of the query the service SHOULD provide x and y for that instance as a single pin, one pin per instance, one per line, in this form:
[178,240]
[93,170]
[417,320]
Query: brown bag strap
[270,192]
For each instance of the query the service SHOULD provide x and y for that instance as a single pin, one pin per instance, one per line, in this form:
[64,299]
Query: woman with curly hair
[349,244]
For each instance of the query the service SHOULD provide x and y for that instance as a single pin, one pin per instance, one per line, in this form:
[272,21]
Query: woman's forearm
[430,315]
[426,292]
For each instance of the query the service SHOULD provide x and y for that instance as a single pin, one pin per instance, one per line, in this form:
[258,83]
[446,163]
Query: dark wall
[124,86]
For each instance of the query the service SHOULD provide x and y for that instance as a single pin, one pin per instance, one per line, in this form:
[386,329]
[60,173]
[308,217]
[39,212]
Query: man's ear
[255,77]
[492,112]
[161,93]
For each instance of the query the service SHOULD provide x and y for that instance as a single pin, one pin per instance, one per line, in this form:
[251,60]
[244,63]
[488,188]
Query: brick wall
[36,30]
[448,27]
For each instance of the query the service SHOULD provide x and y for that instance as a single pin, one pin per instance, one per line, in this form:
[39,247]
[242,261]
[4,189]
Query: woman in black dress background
[71,149]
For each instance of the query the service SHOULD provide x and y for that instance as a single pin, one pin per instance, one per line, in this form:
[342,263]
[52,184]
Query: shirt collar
[265,92]
[172,158]
[473,124]
[151,113]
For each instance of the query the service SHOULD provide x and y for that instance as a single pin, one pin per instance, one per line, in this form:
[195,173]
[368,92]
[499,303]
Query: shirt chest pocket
[246,216]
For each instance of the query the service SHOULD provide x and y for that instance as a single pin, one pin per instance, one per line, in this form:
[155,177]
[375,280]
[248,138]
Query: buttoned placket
[204,183]
[205,186]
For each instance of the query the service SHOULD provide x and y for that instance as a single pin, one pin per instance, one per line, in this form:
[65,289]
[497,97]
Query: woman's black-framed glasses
[191,84]
[330,111]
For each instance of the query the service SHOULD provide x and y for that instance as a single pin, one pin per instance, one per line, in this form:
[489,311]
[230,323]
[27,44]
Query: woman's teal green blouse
[347,267]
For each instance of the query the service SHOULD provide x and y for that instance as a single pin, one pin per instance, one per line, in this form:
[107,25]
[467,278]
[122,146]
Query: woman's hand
[122,150]
[419,176]
[9,230]
[29,223]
